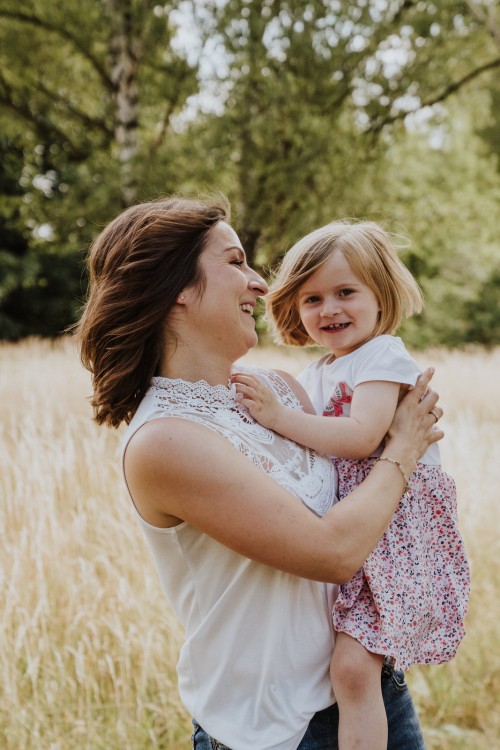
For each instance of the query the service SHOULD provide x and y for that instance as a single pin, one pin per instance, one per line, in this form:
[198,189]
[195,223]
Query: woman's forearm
[362,517]
[358,522]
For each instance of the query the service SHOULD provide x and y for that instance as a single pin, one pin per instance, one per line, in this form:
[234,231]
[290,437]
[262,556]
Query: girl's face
[337,310]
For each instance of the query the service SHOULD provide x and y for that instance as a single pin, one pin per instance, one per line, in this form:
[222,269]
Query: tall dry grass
[88,643]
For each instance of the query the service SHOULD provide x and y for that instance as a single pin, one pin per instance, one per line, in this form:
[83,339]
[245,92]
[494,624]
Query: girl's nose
[258,285]
[330,308]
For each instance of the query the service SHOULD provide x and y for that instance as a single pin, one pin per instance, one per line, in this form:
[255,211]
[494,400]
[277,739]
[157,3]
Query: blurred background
[301,112]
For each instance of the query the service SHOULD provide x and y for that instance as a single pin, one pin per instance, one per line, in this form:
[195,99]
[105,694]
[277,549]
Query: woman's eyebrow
[237,248]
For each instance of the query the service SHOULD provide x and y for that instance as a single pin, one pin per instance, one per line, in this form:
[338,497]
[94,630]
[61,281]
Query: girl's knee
[348,675]
[355,671]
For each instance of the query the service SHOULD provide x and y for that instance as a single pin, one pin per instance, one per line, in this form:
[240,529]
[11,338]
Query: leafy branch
[46,128]
[78,44]
[381,122]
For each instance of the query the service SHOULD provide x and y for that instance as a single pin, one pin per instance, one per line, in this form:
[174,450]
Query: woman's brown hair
[138,265]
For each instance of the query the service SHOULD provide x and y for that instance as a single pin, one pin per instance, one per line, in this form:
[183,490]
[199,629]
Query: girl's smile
[337,310]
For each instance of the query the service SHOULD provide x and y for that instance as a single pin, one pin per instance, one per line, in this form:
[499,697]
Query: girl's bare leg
[356,675]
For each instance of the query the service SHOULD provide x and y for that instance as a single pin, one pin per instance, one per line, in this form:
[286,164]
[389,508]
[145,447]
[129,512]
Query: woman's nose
[258,285]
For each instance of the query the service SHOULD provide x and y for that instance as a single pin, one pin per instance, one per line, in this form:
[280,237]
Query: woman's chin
[254,342]
[250,342]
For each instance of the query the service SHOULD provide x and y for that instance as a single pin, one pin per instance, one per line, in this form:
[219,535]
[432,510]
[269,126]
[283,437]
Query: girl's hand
[258,399]
[414,427]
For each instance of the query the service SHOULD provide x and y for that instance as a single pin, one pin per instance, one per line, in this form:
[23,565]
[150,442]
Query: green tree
[94,76]
[14,237]
[312,93]
[88,91]
[39,288]
[483,313]
[296,110]
[441,189]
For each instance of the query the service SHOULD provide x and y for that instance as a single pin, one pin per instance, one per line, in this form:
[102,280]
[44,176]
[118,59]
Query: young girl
[344,288]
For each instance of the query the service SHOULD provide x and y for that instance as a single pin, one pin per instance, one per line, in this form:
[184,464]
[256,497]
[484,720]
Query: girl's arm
[179,470]
[357,436]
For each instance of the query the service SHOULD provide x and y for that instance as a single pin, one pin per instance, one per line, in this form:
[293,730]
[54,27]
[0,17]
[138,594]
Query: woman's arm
[356,436]
[176,471]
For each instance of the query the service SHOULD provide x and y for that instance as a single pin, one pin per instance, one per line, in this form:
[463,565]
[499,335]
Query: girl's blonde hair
[370,252]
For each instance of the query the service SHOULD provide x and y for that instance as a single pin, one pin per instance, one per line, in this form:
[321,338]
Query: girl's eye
[346,292]
[313,298]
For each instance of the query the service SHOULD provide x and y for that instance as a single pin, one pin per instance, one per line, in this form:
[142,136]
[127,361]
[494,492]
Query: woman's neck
[192,366]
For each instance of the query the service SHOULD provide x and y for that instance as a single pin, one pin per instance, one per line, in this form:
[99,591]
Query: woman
[248,568]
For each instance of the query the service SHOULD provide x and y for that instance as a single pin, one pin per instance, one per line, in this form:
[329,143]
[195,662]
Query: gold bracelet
[396,463]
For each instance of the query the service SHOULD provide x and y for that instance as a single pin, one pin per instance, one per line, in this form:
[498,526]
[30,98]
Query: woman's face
[222,309]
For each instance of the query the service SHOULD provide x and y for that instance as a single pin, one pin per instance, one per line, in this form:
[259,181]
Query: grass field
[87,641]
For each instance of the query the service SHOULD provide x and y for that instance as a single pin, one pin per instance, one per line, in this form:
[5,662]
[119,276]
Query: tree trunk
[125,57]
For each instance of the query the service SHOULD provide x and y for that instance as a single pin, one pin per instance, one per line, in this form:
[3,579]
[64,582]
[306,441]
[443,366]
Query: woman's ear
[181,298]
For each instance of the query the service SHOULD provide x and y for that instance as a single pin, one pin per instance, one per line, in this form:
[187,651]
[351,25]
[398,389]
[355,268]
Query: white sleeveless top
[254,666]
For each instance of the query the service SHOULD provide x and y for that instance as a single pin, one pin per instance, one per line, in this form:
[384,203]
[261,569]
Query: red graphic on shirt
[342,394]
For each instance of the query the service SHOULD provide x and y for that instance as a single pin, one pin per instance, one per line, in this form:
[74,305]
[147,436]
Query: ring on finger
[434,415]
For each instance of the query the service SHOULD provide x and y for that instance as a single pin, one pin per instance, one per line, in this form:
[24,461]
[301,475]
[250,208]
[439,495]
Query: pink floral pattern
[342,394]
[410,598]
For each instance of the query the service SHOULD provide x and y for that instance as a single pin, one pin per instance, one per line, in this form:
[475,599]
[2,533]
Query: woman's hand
[414,427]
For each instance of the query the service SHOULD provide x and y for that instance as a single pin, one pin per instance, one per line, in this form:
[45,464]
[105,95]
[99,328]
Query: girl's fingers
[242,388]
[241,377]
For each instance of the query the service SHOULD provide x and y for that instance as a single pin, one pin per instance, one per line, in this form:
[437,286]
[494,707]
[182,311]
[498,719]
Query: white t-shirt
[330,383]
[254,667]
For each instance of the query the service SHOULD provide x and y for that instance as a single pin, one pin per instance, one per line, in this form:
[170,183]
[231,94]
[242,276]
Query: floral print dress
[409,600]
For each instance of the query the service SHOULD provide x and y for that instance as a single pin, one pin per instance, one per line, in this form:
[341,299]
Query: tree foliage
[311,91]
[483,313]
[301,112]
[88,92]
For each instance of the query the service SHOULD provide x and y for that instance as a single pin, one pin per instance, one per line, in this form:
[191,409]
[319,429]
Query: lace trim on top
[306,474]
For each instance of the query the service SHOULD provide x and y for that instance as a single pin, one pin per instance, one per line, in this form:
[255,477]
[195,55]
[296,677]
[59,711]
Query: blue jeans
[322,732]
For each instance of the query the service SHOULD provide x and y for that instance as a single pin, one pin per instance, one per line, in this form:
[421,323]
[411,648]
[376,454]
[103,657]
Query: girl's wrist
[280,419]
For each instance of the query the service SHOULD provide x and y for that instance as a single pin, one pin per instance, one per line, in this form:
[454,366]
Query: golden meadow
[88,642]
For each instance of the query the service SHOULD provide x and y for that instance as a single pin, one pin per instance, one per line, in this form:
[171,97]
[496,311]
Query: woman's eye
[237,262]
